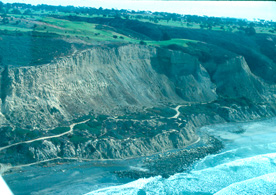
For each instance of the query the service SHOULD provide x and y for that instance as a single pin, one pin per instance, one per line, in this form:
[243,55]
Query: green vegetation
[180,42]
[92,127]
[25,48]
[25,134]
[204,52]
[78,139]
[24,28]
[45,13]
[60,130]
[136,116]
[209,109]
[220,107]
[56,141]
[162,111]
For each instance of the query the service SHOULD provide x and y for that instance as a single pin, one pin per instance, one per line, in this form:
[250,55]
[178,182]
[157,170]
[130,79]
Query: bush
[55,141]
[82,126]
[77,139]
[143,43]
[60,130]
[166,37]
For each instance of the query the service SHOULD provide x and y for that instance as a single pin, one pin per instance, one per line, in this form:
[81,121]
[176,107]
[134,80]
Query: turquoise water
[247,165]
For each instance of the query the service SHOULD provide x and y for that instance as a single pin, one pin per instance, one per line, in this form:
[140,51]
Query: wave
[209,180]
[235,154]
[135,187]
[265,185]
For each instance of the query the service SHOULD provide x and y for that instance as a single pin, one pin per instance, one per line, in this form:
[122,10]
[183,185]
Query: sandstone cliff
[122,80]
[107,79]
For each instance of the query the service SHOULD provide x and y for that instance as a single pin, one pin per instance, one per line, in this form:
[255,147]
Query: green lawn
[14,28]
[90,33]
[181,42]
[65,28]
[83,29]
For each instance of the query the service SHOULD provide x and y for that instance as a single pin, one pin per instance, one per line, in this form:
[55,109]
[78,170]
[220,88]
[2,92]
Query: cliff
[107,79]
[119,81]
[101,79]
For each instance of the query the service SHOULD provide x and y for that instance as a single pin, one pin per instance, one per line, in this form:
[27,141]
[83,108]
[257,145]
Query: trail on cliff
[177,111]
[44,138]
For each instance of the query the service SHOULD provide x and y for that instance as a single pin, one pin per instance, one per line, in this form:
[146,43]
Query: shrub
[77,139]
[143,43]
[60,130]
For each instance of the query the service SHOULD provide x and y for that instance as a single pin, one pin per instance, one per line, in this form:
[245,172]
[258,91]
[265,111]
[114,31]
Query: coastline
[97,172]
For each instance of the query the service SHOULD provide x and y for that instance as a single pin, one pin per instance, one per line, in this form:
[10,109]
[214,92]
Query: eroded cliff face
[191,80]
[102,80]
[99,79]
[122,80]
[234,79]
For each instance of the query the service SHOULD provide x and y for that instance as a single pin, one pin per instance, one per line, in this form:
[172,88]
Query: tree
[166,36]
[143,43]
[27,12]
[5,20]
[250,31]
[155,20]
[15,11]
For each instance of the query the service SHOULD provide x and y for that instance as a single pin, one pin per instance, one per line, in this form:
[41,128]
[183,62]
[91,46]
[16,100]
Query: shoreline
[121,172]
[199,143]
[12,169]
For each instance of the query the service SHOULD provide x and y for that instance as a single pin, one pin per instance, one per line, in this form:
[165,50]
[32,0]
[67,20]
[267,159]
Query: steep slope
[105,80]
[134,86]
[191,80]
[234,79]
[98,79]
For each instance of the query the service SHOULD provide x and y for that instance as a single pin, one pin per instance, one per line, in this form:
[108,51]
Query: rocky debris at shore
[169,163]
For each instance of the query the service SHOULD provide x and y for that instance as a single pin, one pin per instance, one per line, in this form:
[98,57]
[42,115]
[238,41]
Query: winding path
[177,111]
[177,115]
[48,137]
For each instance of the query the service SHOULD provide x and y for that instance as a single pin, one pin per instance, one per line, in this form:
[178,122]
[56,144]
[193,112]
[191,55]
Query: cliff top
[35,35]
